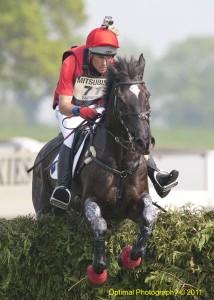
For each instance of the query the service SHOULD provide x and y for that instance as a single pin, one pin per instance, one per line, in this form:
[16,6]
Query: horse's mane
[123,70]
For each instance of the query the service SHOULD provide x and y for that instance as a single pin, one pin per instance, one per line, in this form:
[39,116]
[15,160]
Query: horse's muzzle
[142,146]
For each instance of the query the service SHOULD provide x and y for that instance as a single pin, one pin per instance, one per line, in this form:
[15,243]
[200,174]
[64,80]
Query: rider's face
[100,62]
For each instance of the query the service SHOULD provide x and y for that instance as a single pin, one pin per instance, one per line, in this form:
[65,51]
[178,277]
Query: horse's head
[129,100]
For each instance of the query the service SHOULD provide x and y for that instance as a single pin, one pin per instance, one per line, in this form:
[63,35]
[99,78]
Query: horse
[111,182]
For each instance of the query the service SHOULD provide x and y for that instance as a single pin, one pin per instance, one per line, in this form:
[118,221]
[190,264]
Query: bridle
[118,115]
[120,140]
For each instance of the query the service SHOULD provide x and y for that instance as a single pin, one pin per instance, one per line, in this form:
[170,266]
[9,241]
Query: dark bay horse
[111,181]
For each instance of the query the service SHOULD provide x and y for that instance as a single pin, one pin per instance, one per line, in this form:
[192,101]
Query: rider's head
[102,41]
[102,44]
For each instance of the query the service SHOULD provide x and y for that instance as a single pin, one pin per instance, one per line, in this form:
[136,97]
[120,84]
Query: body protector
[88,87]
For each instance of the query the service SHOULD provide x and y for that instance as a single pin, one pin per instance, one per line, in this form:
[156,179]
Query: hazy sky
[154,24]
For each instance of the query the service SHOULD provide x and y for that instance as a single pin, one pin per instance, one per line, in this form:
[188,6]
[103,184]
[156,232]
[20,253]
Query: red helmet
[102,41]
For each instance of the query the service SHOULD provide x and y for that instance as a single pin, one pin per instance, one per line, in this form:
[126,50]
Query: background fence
[195,180]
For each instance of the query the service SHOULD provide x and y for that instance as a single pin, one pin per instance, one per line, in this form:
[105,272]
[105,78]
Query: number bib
[87,90]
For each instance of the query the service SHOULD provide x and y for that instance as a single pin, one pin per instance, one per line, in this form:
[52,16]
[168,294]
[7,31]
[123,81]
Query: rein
[118,140]
[55,148]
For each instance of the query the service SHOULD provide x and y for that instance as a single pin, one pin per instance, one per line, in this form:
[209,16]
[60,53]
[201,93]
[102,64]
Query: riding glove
[88,113]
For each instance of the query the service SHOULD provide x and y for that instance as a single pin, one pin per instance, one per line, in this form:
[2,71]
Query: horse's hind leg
[97,273]
[130,257]
[41,191]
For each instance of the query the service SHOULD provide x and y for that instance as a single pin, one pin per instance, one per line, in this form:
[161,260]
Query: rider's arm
[65,85]
[65,105]
[65,90]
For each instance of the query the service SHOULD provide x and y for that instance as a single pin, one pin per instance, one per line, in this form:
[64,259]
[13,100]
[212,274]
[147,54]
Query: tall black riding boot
[163,181]
[61,195]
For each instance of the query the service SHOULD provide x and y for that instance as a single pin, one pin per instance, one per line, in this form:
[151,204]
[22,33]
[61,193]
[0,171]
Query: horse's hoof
[124,259]
[94,279]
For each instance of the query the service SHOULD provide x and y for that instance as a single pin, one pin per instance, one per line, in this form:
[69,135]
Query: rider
[78,96]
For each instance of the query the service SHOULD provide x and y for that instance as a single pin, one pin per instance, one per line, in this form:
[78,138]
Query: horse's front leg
[149,215]
[130,257]
[97,273]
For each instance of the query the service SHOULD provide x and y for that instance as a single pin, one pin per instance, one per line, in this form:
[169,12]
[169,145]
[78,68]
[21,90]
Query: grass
[41,133]
[171,138]
[184,138]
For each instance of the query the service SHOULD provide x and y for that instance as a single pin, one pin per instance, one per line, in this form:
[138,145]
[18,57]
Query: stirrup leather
[60,193]
[164,188]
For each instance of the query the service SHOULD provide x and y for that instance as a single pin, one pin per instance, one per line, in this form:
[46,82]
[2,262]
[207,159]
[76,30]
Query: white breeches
[69,124]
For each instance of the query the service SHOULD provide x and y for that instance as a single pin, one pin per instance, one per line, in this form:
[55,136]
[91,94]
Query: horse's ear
[142,62]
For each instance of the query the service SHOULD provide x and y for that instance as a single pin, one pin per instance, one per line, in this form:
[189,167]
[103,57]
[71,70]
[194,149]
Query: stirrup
[60,193]
[167,187]
[164,189]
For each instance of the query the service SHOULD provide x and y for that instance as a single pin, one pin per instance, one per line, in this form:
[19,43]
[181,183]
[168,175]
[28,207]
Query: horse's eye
[144,116]
[148,117]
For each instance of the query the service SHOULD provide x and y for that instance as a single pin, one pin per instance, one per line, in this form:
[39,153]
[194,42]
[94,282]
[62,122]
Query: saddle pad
[54,165]
[54,168]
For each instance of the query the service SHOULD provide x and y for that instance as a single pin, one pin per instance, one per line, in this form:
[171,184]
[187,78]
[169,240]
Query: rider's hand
[88,113]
